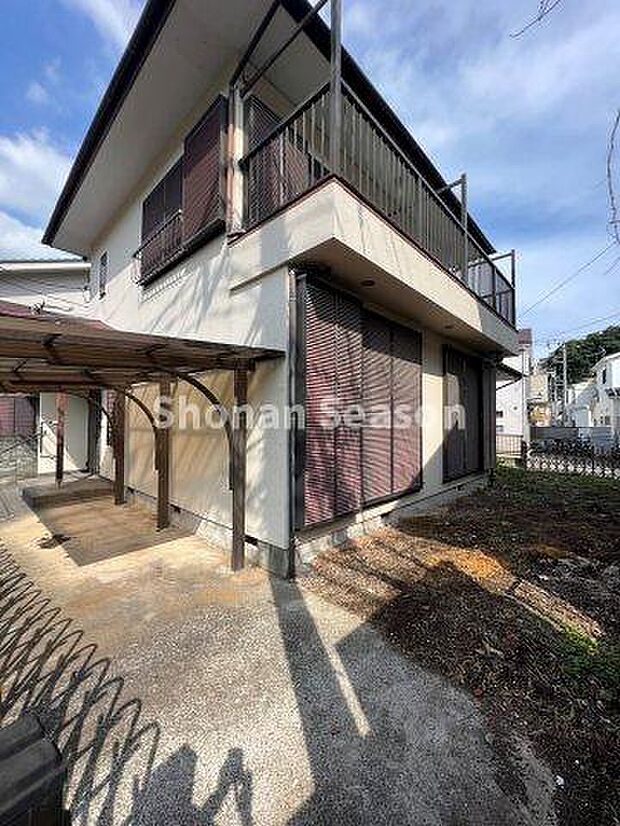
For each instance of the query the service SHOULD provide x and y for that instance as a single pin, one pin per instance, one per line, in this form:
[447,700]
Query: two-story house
[243,182]
[28,422]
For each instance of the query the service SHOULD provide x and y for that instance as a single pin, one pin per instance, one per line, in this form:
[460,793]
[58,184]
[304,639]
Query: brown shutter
[320,392]
[489,416]
[153,210]
[7,415]
[377,382]
[473,415]
[348,341]
[462,414]
[203,173]
[407,402]
[25,416]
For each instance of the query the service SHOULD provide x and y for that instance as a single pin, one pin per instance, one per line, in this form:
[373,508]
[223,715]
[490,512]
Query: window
[499,414]
[103,274]
[500,428]
[189,202]
[604,376]
[361,379]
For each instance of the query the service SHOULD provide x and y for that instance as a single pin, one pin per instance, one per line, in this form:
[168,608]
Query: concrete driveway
[182,695]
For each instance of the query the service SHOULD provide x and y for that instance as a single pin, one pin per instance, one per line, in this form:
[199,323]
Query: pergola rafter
[69,356]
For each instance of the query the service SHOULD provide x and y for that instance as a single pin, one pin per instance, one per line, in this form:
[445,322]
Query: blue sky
[528,118]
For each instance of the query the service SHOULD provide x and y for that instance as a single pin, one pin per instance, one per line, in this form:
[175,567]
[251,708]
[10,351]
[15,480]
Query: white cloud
[114,19]
[32,172]
[37,93]
[19,240]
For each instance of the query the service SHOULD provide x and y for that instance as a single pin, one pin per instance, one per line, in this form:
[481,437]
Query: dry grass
[509,595]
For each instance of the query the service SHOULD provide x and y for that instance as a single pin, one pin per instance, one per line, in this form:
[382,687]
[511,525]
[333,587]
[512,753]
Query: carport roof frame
[44,352]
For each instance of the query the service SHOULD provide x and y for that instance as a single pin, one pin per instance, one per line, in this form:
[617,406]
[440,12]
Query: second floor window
[103,274]
[163,203]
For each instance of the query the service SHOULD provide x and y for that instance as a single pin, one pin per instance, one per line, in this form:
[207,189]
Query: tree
[583,353]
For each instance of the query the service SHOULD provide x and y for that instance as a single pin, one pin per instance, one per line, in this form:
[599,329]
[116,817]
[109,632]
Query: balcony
[295,155]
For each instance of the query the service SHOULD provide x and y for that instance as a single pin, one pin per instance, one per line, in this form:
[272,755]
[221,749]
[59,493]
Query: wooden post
[239,449]
[162,448]
[119,449]
[335,129]
[61,411]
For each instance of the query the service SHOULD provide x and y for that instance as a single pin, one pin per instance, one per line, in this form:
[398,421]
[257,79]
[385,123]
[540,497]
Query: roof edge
[151,22]
[140,45]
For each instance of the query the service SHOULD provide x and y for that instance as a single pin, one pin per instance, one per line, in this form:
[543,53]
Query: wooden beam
[239,450]
[162,446]
[61,412]
[119,449]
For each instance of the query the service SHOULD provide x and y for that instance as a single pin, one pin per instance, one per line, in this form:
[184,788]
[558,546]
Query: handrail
[277,172]
[390,140]
[156,232]
[283,125]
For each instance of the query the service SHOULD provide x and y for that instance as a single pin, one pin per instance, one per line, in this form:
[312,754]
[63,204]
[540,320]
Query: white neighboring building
[512,397]
[581,403]
[606,411]
[60,287]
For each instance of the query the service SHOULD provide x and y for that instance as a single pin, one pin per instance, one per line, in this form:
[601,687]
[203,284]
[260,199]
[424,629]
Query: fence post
[524,451]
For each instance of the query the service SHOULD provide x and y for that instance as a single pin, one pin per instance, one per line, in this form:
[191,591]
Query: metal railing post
[465,223]
[335,125]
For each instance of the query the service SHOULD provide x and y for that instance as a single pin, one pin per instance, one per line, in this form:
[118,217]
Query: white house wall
[76,434]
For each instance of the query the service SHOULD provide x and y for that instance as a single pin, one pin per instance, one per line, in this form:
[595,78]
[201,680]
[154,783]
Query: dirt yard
[513,594]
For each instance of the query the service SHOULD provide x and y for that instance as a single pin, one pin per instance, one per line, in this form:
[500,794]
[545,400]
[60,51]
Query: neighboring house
[581,402]
[27,423]
[539,397]
[513,395]
[295,213]
[607,409]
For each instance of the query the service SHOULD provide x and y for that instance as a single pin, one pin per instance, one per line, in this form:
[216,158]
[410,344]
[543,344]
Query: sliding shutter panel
[348,342]
[7,416]
[377,433]
[472,382]
[203,173]
[489,420]
[454,432]
[320,391]
[407,401]
[25,416]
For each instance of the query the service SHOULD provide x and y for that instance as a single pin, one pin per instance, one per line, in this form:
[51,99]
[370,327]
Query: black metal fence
[572,457]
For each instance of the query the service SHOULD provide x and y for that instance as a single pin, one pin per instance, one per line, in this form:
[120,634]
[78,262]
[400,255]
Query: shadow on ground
[111,748]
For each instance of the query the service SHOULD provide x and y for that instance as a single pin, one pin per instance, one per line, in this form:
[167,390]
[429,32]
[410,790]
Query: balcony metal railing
[160,249]
[294,157]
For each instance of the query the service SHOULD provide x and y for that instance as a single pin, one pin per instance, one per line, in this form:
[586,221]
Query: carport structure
[46,353]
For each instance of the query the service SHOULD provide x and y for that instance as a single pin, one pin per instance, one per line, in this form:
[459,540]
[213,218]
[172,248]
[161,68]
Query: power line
[574,275]
[557,334]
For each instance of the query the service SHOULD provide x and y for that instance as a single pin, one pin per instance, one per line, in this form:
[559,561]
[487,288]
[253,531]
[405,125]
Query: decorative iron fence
[508,445]
[294,156]
[573,457]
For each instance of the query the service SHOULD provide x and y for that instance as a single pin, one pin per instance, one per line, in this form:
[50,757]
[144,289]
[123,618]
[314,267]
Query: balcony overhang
[331,227]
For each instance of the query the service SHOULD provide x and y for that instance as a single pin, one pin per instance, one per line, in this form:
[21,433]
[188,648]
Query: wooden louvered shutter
[264,185]
[320,392]
[153,210]
[204,173]
[489,416]
[462,415]
[377,382]
[454,432]
[472,381]
[25,416]
[7,415]
[407,402]
[348,341]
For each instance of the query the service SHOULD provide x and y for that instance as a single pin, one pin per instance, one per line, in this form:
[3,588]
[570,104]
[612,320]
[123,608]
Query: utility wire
[558,333]
[545,7]
[574,275]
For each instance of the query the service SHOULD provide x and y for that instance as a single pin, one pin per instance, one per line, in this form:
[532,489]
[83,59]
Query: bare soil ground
[513,594]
